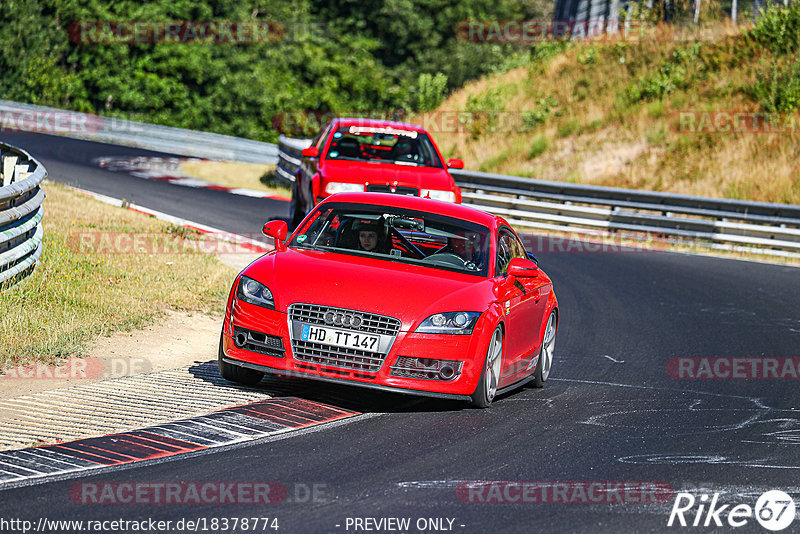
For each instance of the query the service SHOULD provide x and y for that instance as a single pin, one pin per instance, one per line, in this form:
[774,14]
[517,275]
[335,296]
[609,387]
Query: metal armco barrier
[756,227]
[15,116]
[21,211]
[289,156]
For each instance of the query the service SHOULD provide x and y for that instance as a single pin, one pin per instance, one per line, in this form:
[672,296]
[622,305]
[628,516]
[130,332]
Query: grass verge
[78,293]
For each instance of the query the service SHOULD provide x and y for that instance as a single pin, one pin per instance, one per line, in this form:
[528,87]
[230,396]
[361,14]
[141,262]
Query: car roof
[377,123]
[457,211]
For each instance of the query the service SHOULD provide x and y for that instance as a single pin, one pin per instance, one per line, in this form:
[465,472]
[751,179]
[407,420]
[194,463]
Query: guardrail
[16,116]
[756,227]
[289,156]
[21,211]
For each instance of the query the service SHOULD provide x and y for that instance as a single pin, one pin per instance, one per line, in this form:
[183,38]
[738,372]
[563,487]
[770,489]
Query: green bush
[777,87]
[778,29]
[432,91]
[538,146]
[672,75]
[568,128]
[545,107]
[483,110]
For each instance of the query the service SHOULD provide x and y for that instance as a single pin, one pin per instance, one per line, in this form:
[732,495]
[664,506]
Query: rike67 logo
[774,510]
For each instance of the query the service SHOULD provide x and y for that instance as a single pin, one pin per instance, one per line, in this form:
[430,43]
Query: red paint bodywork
[410,293]
[314,174]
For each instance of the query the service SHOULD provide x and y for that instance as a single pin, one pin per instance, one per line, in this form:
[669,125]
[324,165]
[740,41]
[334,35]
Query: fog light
[426,368]
[240,339]
[447,372]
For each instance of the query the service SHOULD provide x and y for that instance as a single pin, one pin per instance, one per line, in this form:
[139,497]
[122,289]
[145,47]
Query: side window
[508,246]
[519,249]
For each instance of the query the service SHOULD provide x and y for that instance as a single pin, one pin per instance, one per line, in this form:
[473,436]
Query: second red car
[355,155]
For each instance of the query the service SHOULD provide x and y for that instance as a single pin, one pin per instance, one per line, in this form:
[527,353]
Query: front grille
[371,322]
[341,357]
[357,360]
[413,191]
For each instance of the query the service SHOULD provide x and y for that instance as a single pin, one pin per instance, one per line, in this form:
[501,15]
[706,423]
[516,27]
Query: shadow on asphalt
[355,398]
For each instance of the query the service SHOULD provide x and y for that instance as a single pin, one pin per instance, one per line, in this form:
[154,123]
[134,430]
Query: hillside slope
[711,117]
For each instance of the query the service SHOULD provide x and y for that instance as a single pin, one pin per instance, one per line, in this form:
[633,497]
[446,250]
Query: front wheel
[490,375]
[234,373]
[546,352]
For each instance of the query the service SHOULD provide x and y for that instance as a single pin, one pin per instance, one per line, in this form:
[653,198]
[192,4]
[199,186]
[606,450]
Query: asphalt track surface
[611,412]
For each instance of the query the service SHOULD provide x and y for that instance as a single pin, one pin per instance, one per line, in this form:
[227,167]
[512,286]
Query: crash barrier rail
[289,156]
[21,211]
[15,116]
[760,227]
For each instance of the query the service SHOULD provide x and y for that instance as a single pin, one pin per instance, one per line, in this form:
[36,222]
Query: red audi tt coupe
[396,293]
[352,154]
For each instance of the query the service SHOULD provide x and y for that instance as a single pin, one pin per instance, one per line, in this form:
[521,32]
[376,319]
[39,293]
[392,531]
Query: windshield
[383,144]
[399,235]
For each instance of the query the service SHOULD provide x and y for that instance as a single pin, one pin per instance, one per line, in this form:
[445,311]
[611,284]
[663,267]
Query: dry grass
[234,174]
[74,295]
[571,118]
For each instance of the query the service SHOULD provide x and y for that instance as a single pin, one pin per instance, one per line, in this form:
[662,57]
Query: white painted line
[222,234]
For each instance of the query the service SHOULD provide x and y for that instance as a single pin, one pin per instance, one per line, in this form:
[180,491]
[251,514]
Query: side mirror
[310,152]
[522,268]
[455,163]
[277,230]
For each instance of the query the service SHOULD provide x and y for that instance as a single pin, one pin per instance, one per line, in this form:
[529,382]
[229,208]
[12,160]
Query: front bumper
[455,348]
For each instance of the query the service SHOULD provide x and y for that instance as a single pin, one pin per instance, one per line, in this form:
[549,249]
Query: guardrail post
[9,164]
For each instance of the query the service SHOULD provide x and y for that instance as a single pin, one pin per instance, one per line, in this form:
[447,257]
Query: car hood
[388,174]
[408,292]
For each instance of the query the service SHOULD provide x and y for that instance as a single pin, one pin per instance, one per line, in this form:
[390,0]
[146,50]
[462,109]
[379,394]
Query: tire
[546,352]
[490,372]
[234,373]
[296,212]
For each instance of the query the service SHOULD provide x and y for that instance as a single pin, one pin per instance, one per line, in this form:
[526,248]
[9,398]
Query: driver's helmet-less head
[368,234]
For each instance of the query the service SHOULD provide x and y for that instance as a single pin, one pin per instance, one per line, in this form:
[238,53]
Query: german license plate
[340,338]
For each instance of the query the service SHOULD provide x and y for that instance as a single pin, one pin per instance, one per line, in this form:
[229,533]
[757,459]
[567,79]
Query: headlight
[255,293]
[341,187]
[445,196]
[449,323]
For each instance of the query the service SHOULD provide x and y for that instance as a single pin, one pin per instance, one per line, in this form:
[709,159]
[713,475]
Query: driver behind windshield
[369,236]
[466,244]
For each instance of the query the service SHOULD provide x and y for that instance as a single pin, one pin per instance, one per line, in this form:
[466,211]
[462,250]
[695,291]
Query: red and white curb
[224,427]
[168,170]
